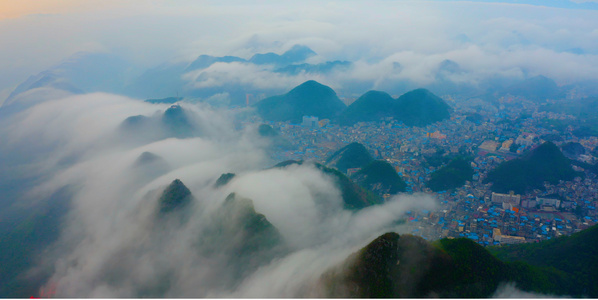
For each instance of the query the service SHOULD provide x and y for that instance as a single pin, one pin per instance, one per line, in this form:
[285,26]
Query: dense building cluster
[491,137]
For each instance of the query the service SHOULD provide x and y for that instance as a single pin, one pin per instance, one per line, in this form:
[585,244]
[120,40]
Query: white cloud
[112,245]
[356,31]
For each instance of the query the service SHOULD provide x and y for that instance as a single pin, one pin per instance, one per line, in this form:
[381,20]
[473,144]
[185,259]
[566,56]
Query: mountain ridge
[310,98]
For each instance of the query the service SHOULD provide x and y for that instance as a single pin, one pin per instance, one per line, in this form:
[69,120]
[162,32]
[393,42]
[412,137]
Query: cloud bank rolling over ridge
[113,244]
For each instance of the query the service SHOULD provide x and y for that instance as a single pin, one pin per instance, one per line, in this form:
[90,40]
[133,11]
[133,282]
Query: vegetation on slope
[408,266]
[545,163]
[242,234]
[419,107]
[380,177]
[394,266]
[574,257]
[308,99]
[224,179]
[451,176]
[538,88]
[354,155]
[354,196]
[278,142]
[175,196]
[371,106]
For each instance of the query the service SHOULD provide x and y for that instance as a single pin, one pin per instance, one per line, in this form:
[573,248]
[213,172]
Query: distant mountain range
[538,89]
[297,53]
[416,108]
[323,68]
[167,79]
[101,72]
[81,73]
[173,122]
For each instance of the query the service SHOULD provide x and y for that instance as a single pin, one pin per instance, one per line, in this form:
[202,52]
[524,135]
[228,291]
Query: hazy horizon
[485,38]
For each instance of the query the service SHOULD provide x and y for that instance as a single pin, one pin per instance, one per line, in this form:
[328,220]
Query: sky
[488,36]
[73,138]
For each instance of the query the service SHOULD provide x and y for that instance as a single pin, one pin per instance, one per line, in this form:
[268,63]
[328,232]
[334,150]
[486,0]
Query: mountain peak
[266,130]
[224,179]
[147,158]
[371,106]
[177,122]
[312,85]
[354,155]
[418,107]
[545,163]
[310,98]
[174,197]
[381,177]
[297,53]
[205,61]
[537,88]
[421,107]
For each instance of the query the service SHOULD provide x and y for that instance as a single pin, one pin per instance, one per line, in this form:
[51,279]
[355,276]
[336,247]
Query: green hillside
[174,197]
[278,142]
[23,242]
[224,179]
[244,235]
[371,106]
[174,122]
[421,107]
[398,266]
[308,99]
[354,196]
[538,88]
[407,266]
[415,108]
[576,256]
[381,178]
[451,176]
[354,155]
[545,163]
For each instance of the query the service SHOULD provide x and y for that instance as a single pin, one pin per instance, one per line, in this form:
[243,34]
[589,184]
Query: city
[473,210]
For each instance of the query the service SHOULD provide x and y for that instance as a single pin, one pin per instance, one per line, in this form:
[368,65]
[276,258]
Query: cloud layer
[486,40]
[113,243]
